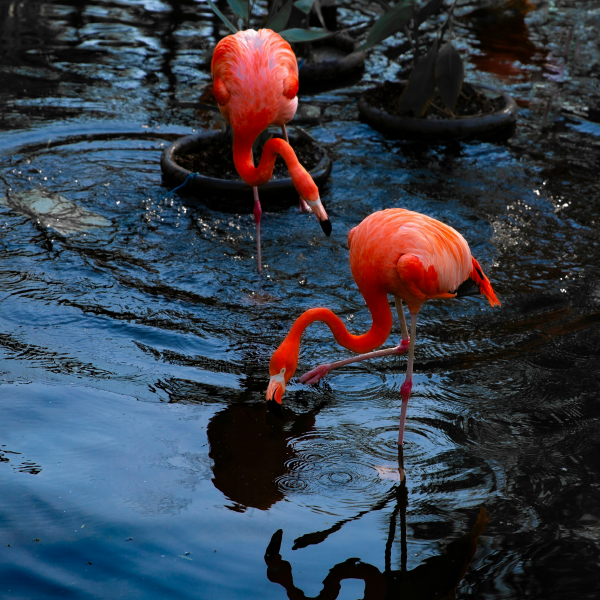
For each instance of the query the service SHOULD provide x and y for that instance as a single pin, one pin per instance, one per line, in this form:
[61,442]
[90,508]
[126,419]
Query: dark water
[137,458]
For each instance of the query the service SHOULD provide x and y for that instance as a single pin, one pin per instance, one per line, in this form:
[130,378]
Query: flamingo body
[255,83]
[396,251]
[410,255]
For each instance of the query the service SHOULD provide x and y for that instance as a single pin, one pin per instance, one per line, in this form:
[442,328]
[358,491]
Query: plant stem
[444,111]
[413,46]
[416,35]
[449,22]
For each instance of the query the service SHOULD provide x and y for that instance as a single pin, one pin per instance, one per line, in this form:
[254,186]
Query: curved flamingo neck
[375,337]
[255,176]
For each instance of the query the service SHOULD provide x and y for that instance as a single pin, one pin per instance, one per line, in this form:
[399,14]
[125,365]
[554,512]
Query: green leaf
[280,20]
[222,16]
[450,72]
[239,8]
[429,9]
[304,35]
[304,5]
[421,85]
[389,23]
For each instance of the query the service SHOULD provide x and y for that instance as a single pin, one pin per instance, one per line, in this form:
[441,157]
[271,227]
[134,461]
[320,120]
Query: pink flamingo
[255,83]
[396,251]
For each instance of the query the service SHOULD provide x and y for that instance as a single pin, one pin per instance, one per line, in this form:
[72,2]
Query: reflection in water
[26,466]
[503,40]
[437,578]
[50,209]
[250,450]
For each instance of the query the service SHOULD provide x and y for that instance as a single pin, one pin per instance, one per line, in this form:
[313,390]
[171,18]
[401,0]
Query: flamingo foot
[403,347]
[316,374]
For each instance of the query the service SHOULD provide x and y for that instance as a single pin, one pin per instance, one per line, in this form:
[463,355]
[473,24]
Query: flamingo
[255,83]
[406,254]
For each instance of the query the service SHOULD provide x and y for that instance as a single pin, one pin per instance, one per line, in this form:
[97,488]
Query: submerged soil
[216,159]
[470,103]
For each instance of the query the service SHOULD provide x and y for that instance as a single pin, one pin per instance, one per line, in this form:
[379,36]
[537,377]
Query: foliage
[440,67]
[277,19]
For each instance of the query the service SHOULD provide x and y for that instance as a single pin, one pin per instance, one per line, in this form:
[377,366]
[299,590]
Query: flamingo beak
[275,393]
[276,388]
[319,210]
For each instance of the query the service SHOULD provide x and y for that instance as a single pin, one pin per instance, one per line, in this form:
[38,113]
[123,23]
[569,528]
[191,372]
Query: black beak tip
[326,227]
[273,550]
[275,408]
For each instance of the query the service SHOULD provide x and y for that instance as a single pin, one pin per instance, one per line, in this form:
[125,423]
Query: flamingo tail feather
[483,283]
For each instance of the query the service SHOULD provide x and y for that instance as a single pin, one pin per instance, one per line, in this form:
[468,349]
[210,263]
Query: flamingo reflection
[250,449]
[436,579]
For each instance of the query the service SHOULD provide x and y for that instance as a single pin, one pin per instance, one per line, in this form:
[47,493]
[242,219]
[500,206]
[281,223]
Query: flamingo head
[281,369]
[276,387]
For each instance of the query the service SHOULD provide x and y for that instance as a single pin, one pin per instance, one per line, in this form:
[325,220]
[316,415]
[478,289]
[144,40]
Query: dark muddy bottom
[216,159]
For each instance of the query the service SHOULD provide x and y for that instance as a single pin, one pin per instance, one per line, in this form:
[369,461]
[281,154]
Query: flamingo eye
[282,372]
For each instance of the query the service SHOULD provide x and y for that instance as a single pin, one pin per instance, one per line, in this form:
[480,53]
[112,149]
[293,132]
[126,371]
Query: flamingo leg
[401,318]
[319,372]
[257,215]
[303,207]
[407,385]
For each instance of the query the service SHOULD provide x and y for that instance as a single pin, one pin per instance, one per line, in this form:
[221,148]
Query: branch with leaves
[440,68]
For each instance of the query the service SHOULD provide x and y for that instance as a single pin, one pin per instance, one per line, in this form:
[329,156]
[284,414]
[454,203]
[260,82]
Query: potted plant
[434,103]
[204,163]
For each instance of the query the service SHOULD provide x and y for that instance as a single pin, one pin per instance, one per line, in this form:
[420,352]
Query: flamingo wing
[423,282]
